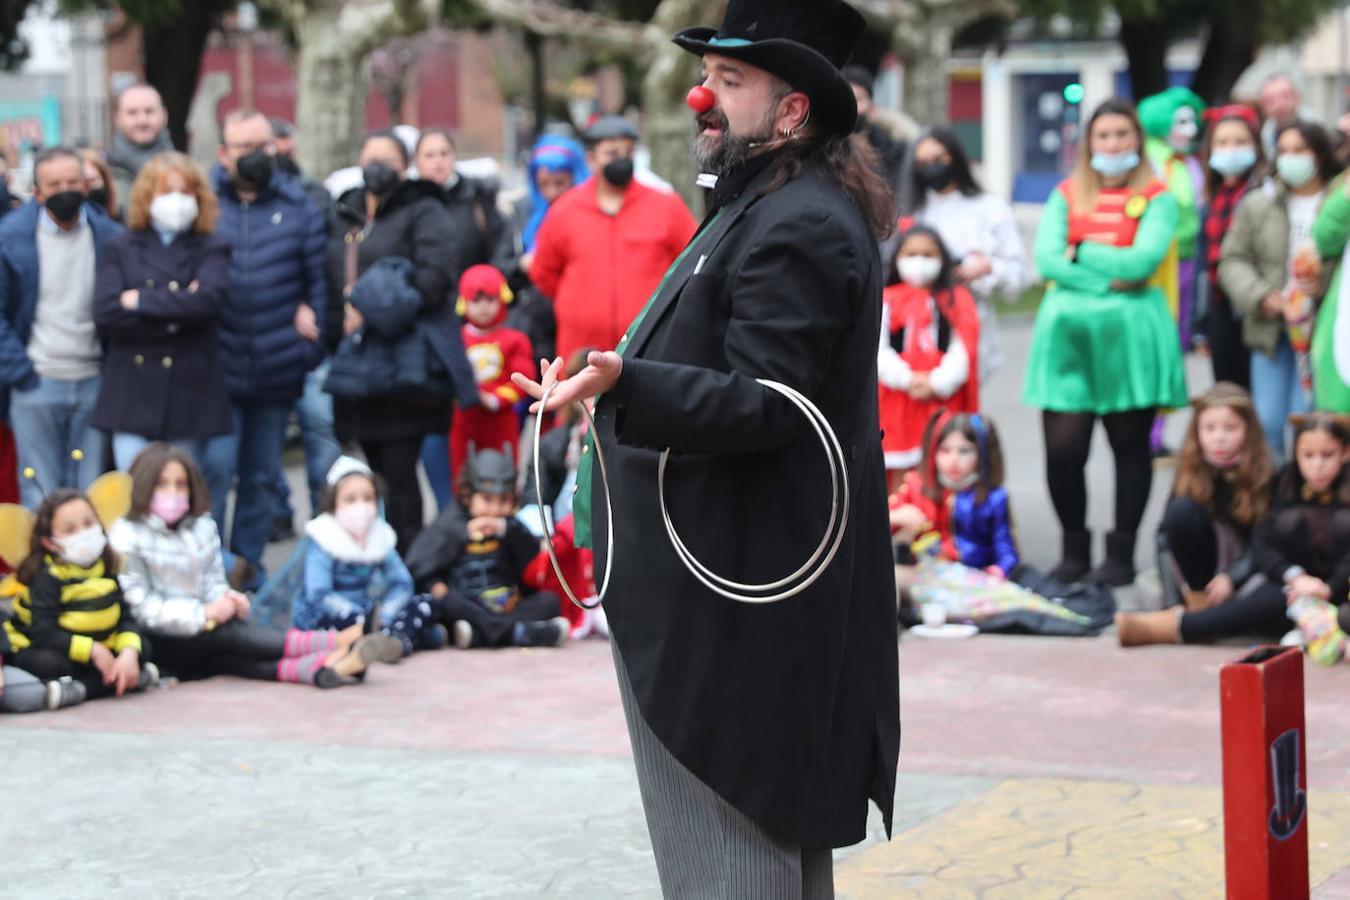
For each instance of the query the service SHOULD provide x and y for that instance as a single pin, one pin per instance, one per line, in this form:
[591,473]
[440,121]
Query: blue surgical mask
[1296,169]
[1232,161]
[1113,165]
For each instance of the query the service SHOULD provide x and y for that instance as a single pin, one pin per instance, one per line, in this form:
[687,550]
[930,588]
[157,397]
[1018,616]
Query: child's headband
[346,465]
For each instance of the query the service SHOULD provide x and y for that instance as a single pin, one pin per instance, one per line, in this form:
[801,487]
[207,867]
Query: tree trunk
[671,72]
[330,94]
[173,62]
[1145,43]
[534,45]
[925,50]
[1229,49]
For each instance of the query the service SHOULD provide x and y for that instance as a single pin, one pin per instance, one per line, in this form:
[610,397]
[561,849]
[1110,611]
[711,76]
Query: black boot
[1077,558]
[1117,570]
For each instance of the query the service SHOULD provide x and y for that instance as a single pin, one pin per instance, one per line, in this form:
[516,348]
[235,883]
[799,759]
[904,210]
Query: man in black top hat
[759,731]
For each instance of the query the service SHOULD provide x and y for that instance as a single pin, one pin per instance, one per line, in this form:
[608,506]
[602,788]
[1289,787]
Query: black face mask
[619,172]
[65,206]
[379,179]
[288,165]
[934,176]
[99,197]
[254,168]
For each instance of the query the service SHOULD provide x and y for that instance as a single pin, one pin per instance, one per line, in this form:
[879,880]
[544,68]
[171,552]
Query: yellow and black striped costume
[67,609]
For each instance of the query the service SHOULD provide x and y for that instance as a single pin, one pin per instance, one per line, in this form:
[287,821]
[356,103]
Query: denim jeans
[253,455]
[126,446]
[1277,394]
[436,463]
[50,423]
[315,412]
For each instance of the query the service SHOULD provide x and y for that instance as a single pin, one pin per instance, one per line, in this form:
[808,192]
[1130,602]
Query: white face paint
[1184,130]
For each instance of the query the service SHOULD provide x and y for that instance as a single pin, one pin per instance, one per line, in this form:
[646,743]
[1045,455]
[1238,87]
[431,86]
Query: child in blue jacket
[353,573]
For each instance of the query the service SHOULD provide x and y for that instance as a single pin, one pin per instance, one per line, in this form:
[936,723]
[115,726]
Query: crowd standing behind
[170,322]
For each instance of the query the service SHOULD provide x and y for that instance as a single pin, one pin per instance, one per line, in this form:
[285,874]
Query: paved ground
[1030,768]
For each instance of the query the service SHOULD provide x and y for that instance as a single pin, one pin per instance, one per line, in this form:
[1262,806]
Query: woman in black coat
[157,300]
[389,219]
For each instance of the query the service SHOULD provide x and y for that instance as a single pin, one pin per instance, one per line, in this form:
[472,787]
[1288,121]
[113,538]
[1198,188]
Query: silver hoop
[545,516]
[813,568]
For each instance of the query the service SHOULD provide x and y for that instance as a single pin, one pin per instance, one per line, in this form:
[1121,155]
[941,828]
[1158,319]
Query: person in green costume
[1104,345]
[1171,121]
[1330,351]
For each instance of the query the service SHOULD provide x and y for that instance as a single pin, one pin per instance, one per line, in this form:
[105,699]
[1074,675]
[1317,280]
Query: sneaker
[65,691]
[599,621]
[380,648]
[463,635]
[434,637]
[149,676]
[328,679]
[540,634]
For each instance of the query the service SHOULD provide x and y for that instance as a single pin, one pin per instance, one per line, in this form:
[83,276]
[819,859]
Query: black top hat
[803,42]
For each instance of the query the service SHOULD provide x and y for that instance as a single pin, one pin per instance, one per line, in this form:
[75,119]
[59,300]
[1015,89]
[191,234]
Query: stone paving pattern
[1030,767]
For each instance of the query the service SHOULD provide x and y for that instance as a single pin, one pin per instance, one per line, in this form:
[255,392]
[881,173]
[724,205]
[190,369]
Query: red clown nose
[700,99]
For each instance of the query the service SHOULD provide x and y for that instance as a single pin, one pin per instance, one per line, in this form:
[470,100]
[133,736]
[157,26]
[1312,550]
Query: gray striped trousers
[705,848]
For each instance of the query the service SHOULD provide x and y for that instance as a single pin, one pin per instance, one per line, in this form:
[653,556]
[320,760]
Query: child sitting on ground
[1302,547]
[1222,490]
[71,621]
[354,577]
[473,560]
[927,360]
[955,520]
[21,692]
[174,581]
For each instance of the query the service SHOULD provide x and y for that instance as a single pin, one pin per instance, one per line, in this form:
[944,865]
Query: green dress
[1095,350]
[1330,351]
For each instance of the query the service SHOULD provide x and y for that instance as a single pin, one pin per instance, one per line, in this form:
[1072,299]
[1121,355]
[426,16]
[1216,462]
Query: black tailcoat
[789,710]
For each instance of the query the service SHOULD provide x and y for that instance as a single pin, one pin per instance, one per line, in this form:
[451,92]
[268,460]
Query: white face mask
[173,213]
[356,519]
[85,547]
[919,271]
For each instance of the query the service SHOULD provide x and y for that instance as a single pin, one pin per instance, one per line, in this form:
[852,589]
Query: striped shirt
[68,609]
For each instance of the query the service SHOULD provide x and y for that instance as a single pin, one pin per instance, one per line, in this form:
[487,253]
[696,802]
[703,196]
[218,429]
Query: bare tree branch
[551,20]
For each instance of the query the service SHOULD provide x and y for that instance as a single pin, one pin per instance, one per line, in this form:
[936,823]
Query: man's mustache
[714,118]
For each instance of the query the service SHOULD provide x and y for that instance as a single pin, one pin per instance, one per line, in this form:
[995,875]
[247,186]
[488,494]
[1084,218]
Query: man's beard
[726,152]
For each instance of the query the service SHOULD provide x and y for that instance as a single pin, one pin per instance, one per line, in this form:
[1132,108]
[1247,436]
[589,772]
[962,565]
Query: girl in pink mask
[1222,489]
[353,575]
[173,578]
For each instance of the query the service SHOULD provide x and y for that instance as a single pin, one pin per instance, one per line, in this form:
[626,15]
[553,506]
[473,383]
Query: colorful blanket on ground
[1026,603]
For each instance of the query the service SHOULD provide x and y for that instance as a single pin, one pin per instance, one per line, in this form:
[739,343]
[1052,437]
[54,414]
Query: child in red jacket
[495,352]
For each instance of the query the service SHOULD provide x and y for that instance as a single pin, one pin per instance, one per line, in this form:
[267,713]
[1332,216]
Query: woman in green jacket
[1272,230]
[1105,344]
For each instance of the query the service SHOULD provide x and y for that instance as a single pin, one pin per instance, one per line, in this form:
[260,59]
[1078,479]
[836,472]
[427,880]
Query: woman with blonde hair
[1105,345]
[157,298]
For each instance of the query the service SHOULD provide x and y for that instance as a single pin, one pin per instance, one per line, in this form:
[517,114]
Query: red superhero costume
[495,353]
[577,564]
[910,333]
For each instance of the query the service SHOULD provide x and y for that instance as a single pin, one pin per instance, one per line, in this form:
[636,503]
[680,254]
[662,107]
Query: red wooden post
[1265,775]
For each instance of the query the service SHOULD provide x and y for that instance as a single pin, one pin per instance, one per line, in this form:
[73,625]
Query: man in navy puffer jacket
[269,328]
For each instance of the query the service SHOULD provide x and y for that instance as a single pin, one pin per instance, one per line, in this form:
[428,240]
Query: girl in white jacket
[173,578]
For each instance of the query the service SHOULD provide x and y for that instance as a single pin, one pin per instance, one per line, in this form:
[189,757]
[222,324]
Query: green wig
[1156,112]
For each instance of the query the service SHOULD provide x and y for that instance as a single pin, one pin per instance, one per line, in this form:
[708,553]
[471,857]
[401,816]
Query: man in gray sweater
[50,355]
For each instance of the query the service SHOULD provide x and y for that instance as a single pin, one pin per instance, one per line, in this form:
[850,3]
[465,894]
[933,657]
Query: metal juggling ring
[544,517]
[829,545]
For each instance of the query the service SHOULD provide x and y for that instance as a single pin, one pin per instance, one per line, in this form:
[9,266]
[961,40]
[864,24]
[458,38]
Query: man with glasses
[269,328]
